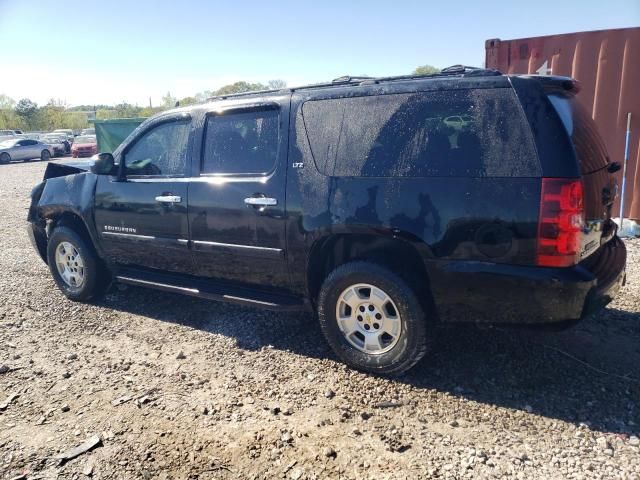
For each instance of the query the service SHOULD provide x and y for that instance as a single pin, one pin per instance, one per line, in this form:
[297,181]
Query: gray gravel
[182,388]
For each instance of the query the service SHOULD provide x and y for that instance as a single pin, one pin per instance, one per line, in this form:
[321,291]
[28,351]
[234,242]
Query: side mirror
[103,164]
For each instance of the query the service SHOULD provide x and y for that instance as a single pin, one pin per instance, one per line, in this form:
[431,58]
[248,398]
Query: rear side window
[448,133]
[590,148]
[241,143]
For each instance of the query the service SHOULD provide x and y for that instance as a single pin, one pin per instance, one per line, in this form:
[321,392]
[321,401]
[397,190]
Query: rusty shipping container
[607,64]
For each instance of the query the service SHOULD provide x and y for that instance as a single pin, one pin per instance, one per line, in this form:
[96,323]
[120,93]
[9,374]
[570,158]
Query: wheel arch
[70,219]
[400,254]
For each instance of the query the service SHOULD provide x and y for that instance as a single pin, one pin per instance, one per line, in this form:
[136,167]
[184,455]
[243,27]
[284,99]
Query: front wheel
[75,266]
[372,319]
[5,157]
[45,155]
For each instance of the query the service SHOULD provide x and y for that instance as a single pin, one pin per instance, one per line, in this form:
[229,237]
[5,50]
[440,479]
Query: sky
[107,52]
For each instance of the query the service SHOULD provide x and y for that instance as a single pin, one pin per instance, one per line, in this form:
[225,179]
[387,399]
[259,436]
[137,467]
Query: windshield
[8,143]
[52,139]
[85,139]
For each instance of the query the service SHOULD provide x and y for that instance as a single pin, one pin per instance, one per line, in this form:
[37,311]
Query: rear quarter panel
[447,219]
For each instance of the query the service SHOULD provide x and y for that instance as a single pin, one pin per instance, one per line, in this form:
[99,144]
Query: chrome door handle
[261,201]
[168,199]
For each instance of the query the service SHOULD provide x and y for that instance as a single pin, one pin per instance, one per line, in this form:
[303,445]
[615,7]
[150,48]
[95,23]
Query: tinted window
[160,151]
[241,142]
[452,133]
[590,148]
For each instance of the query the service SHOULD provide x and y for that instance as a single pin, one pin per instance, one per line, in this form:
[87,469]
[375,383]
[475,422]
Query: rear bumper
[493,293]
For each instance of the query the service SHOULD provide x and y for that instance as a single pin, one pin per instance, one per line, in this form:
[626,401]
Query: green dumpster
[112,132]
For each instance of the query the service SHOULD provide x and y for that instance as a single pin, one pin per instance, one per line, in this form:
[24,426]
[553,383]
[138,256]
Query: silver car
[23,149]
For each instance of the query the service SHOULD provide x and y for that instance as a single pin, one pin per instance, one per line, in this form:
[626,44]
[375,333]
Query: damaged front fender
[67,194]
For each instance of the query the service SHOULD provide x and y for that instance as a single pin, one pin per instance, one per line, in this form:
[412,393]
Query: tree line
[26,115]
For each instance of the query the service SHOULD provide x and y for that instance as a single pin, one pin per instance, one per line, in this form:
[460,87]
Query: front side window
[241,143]
[161,151]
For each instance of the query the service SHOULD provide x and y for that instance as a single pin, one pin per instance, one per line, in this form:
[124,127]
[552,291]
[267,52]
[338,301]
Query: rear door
[600,187]
[141,217]
[237,196]
[33,148]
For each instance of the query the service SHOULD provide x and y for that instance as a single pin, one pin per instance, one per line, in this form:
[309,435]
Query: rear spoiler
[556,83]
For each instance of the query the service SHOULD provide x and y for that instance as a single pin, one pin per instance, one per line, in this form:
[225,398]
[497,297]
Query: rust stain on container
[607,64]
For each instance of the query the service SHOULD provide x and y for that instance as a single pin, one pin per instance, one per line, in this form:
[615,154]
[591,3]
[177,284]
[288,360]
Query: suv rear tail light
[560,223]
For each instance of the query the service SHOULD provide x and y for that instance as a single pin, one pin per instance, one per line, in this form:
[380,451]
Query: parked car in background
[66,131]
[84,146]
[88,131]
[7,134]
[57,144]
[65,139]
[33,135]
[23,149]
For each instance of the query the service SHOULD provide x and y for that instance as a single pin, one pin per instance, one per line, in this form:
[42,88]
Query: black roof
[461,71]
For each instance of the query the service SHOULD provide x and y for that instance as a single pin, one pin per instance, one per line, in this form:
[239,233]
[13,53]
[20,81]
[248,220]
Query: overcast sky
[87,52]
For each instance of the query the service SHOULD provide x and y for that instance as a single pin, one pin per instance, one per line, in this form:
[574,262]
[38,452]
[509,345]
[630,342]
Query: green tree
[8,117]
[203,96]
[240,87]
[188,101]
[106,113]
[169,101]
[6,102]
[426,70]
[276,84]
[26,110]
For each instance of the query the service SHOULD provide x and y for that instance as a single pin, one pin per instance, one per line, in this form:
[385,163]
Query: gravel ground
[176,387]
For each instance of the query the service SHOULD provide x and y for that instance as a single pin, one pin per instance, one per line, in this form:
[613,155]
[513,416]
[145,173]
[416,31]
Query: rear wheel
[45,155]
[75,266]
[5,157]
[372,319]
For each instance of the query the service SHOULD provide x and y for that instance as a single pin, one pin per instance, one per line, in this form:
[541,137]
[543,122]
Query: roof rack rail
[350,80]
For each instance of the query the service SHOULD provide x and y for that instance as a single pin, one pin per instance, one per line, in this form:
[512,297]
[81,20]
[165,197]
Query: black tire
[412,343]
[5,157]
[45,155]
[95,275]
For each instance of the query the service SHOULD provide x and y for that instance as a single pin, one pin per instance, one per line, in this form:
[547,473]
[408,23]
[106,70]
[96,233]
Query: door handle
[168,199]
[261,201]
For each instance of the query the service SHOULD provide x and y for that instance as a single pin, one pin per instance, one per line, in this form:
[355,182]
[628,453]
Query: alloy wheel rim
[70,265]
[368,319]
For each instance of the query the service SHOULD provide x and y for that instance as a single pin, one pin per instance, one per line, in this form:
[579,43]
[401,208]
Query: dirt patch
[182,388]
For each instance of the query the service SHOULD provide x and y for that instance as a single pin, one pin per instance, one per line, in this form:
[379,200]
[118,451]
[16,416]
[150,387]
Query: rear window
[590,148]
[448,133]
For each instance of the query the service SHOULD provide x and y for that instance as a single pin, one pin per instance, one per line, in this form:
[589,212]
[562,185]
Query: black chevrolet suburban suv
[386,205]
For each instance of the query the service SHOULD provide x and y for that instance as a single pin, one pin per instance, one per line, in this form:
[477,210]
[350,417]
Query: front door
[141,216]
[237,196]
[26,150]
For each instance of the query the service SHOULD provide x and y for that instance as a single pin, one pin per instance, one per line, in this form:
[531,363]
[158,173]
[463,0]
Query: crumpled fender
[69,194]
